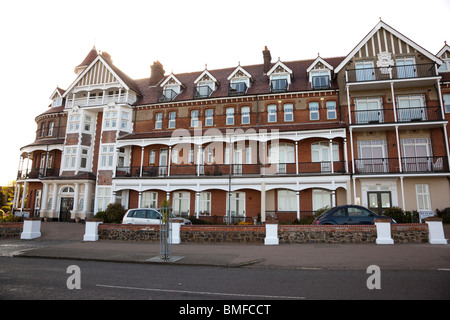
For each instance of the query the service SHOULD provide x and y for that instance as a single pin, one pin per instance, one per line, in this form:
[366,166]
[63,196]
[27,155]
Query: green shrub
[401,216]
[444,214]
[113,214]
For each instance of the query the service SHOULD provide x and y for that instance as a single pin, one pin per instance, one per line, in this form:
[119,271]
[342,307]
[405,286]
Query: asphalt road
[51,279]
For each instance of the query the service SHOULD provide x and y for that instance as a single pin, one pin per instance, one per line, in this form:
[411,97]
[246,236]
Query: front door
[65,209]
[379,201]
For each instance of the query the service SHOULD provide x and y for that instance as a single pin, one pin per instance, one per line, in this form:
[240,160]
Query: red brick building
[275,138]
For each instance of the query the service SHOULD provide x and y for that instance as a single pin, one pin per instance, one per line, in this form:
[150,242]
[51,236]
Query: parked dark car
[348,214]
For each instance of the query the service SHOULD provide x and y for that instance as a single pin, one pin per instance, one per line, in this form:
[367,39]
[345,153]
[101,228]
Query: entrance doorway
[65,209]
[379,201]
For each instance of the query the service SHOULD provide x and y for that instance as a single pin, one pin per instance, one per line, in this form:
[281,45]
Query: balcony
[364,78]
[167,95]
[279,85]
[99,100]
[237,89]
[202,92]
[321,82]
[430,164]
[417,115]
[218,170]
[37,173]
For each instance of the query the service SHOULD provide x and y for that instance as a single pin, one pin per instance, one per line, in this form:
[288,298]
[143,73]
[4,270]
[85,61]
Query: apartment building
[279,138]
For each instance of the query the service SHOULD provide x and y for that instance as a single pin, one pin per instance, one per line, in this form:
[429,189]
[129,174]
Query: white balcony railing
[95,101]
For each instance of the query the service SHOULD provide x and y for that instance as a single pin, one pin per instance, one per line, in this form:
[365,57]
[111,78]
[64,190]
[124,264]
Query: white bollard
[31,228]
[91,230]
[271,233]
[176,227]
[383,231]
[435,231]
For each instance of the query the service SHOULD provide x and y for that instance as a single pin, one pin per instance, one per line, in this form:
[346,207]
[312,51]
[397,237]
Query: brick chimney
[157,73]
[267,59]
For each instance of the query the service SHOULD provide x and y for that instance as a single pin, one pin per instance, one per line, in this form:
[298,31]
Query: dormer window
[280,77]
[171,88]
[240,81]
[205,85]
[56,97]
[279,83]
[319,74]
[320,79]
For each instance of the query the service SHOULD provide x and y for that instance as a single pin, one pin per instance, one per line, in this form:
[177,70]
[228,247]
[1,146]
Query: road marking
[443,269]
[202,292]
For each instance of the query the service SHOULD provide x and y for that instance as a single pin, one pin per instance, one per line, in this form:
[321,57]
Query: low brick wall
[10,229]
[401,233]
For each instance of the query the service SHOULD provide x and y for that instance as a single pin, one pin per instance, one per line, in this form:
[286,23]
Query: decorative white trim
[171,76]
[319,59]
[369,36]
[206,72]
[239,68]
[279,64]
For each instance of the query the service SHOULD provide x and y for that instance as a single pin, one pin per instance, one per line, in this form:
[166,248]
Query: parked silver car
[146,216]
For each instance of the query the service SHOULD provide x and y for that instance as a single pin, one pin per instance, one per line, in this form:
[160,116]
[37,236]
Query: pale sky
[42,42]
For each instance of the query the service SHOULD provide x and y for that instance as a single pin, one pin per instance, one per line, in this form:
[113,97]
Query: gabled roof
[105,59]
[446,48]
[171,76]
[239,68]
[388,28]
[89,58]
[279,64]
[58,92]
[206,72]
[319,59]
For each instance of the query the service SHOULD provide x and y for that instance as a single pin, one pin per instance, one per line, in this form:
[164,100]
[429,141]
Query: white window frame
[158,121]
[84,156]
[209,117]
[319,73]
[124,120]
[423,197]
[51,126]
[288,112]
[194,118]
[445,67]
[446,100]
[331,109]
[110,121]
[70,157]
[314,111]
[74,123]
[287,200]
[178,199]
[321,199]
[152,157]
[371,114]
[237,200]
[107,152]
[172,120]
[229,116]
[364,70]
[245,115]
[204,205]
[149,199]
[87,123]
[103,197]
[272,113]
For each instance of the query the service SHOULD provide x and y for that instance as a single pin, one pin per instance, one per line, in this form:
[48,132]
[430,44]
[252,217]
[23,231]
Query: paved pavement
[64,241]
